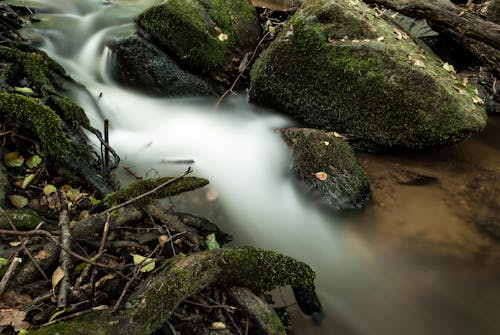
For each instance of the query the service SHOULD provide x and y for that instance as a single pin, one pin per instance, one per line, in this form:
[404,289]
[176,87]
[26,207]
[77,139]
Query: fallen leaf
[448,67]
[222,37]
[211,242]
[41,255]
[331,40]
[138,259]
[321,176]
[14,159]
[24,90]
[49,189]
[337,134]
[15,243]
[355,41]
[13,317]
[380,39]
[460,88]
[14,299]
[56,314]
[163,239]
[18,201]
[326,143]
[3,261]
[418,63]
[409,56]
[73,194]
[27,180]
[477,100]
[400,35]
[57,276]
[218,326]
[34,161]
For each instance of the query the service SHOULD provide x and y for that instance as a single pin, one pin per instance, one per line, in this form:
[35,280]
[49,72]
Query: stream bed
[411,262]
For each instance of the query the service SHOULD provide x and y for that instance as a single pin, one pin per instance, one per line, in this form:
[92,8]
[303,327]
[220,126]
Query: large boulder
[142,65]
[337,65]
[207,36]
[326,164]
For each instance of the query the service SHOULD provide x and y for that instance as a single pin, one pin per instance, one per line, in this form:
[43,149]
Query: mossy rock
[142,65]
[29,113]
[337,66]
[143,186]
[205,35]
[328,167]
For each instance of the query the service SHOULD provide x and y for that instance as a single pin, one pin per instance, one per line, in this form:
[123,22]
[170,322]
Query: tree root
[154,302]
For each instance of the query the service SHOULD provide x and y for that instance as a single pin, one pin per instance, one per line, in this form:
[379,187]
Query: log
[462,27]
[155,301]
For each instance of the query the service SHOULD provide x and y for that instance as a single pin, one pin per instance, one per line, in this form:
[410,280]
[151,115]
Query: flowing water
[407,264]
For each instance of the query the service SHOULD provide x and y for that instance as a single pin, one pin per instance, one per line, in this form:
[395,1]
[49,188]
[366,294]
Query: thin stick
[23,246]
[230,90]
[77,314]
[62,296]
[99,254]
[106,141]
[54,239]
[154,190]
[10,272]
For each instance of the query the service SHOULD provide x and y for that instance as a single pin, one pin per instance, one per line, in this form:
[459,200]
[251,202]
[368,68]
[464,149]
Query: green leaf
[73,194]
[56,314]
[18,201]
[3,261]
[448,67]
[138,259]
[24,90]
[94,201]
[49,189]
[27,180]
[14,159]
[211,242]
[34,161]
[80,267]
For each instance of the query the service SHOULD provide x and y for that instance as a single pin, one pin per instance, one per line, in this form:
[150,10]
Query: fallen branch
[65,237]
[260,270]
[10,272]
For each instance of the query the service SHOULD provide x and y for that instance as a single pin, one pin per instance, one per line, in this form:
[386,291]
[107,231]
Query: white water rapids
[365,289]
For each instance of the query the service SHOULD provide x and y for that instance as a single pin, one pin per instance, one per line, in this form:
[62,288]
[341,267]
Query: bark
[463,27]
[260,270]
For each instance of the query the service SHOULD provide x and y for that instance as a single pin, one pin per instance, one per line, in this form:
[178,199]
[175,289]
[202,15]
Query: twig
[154,190]
[54,239]
[230,89]
[99,253]
[132,173]
[232,308]
[10,272]
[23,246]
[77,314]
[62,296]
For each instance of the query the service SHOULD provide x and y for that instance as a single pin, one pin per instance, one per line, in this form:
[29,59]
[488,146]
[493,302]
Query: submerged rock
[207,36]
[142,65]
[336,65]
[327,164]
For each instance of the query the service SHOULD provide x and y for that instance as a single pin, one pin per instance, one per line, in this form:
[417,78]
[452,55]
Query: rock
[337,66]
[327,164]
[493,12]
[142,65]
[207,36]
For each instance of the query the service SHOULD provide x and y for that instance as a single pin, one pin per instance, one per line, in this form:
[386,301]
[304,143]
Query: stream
[409,263]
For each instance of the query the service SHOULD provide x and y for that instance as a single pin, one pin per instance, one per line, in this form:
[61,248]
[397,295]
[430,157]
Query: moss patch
[44,122]
[367,84]
[23,219]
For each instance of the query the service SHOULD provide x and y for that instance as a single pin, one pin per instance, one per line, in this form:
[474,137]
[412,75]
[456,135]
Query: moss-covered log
[141,187]
[23,219]
[260,270]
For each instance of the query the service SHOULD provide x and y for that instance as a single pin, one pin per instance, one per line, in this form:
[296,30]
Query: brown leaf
[41,255]
[13,298]
[57,276]
[13,317]
[321,176]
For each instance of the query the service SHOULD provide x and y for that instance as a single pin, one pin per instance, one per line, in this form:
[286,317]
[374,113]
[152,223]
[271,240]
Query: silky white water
[364,288]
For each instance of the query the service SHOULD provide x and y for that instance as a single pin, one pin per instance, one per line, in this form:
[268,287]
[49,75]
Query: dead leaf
[163,239]
[14,159]
[326,143]
[418,63]
[223,37]
[380,39]
[460,88]
[57,276]
[18,201]
[477,100]
[321,176]
[337,134]
[15,243]
[218,326]
[13,317]
[448,67]
[12,299]
[331,40]
[41,255]
[400,35]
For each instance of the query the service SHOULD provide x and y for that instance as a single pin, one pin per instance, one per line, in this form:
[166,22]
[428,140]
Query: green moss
[23,219]
[44,122]
[140,187]
[366,88]
[190,29]
[68,110]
